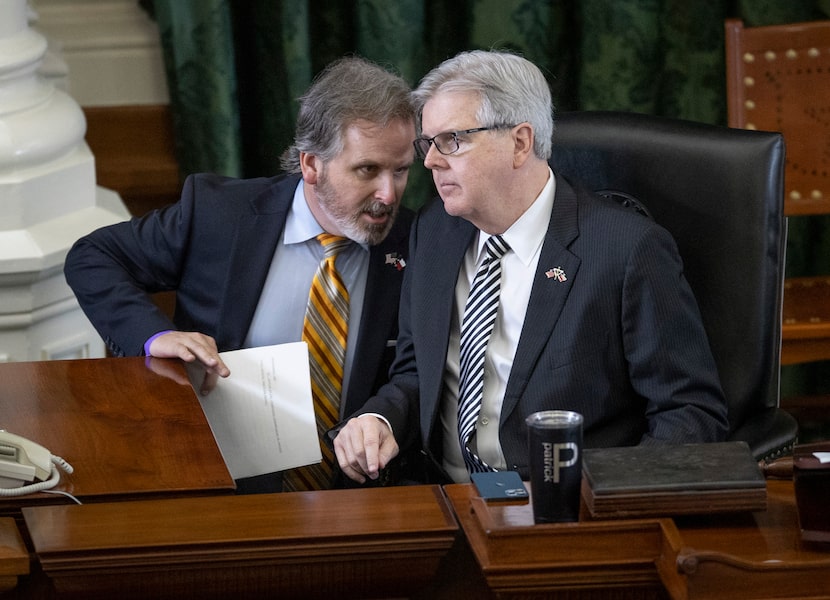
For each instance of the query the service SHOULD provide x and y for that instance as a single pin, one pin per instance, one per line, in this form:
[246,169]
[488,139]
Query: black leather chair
[719,192]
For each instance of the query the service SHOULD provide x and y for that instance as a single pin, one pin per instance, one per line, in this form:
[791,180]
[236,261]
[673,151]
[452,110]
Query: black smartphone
[500,486]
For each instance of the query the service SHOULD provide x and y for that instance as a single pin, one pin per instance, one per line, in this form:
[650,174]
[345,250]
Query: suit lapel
[380,304]
[548,294]
[444,247]
[443,252]
[255,241]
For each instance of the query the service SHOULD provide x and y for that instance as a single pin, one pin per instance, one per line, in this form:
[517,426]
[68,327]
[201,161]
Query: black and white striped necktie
[476,327]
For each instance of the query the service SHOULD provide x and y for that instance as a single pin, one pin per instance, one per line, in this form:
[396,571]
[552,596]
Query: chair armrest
[770,434]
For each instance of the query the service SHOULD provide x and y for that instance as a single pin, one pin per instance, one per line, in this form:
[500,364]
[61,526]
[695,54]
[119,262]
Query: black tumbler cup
[555,446]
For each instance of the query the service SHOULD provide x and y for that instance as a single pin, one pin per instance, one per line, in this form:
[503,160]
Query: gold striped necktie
[324,330]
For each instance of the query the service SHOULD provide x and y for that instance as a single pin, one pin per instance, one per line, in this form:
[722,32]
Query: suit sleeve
[114,270]
[667,349]
[397,400]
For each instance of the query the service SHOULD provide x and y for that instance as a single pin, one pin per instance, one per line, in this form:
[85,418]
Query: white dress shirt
[282,304]
[518,268]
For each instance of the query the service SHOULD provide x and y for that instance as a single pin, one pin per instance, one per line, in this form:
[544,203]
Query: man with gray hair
[527,293]
[243,254]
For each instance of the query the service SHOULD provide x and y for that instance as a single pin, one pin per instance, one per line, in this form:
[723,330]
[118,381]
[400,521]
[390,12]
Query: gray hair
[512,90]
[347,90]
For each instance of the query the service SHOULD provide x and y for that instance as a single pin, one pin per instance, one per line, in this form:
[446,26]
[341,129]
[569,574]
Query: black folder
[667,480]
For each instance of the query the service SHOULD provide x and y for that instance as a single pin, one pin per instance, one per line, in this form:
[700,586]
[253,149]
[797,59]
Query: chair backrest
[778,79]
[719,192]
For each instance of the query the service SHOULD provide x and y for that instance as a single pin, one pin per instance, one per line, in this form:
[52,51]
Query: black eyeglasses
[447,142]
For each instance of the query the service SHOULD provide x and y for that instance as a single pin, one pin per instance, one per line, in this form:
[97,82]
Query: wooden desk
[600,559]
[368,543]
[388,542]
[14,559]
[140,438]
[127,431]
[757,555]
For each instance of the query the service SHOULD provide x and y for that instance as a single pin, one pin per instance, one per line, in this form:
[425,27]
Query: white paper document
[262,415]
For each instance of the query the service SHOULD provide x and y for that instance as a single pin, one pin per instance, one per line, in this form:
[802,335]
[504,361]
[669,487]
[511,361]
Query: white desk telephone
[23,462]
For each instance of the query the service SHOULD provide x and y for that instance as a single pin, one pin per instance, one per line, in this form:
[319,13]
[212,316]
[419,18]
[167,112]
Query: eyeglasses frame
[431,141]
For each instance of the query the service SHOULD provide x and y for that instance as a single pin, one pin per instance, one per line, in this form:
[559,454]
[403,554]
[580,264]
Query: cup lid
[554,419]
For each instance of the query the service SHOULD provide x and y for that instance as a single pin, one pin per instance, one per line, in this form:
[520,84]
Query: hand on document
[171,369]
[191,347]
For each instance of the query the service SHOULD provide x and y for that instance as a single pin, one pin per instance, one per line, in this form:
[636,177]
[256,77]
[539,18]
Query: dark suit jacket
[214,247]
[620,341]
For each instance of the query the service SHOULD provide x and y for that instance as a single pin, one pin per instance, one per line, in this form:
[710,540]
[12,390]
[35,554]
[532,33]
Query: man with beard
[241,254]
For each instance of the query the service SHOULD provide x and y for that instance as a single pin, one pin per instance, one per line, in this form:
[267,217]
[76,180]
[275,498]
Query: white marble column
[48,199]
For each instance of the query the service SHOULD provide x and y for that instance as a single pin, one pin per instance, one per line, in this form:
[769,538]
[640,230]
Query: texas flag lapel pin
[394,259]
[556,273]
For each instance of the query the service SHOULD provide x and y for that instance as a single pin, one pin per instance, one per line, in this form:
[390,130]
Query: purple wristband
[152,339]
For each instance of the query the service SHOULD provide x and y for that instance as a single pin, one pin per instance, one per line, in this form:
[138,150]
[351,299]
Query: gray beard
[349,223]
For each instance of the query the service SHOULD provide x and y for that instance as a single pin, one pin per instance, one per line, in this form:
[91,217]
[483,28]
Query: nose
[433,158]
[386,191]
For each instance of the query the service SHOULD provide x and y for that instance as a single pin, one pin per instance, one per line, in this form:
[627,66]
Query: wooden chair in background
[778,79]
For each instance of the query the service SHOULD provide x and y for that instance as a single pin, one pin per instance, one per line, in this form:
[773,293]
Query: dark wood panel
[372,543]
[14,559]
[134,150]
[806,315]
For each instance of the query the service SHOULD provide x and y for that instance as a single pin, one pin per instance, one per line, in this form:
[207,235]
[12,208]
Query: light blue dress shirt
[279,315]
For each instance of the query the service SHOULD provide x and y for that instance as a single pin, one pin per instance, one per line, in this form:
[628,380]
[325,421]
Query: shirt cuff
[381,417]
[152,339]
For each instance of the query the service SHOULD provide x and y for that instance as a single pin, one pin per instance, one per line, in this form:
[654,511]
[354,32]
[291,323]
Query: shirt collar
[300,225]
[526,235]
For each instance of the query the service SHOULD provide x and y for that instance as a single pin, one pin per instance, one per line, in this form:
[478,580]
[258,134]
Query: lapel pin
[557,273]
[394,259]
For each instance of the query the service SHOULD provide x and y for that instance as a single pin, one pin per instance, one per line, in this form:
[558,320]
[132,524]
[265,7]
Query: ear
[523,136]
[310,166]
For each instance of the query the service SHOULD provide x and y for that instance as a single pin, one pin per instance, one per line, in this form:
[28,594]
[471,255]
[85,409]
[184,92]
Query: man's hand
[190,346]
[172,369]
[364,446]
